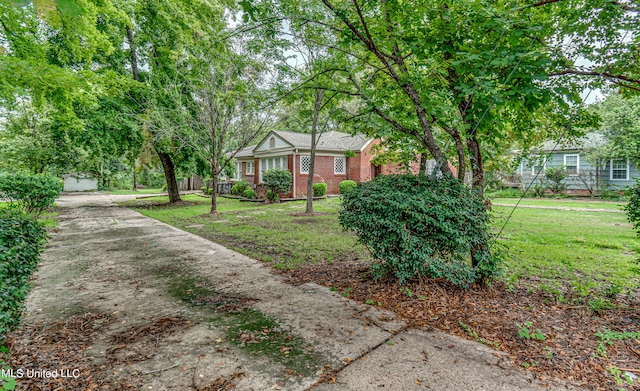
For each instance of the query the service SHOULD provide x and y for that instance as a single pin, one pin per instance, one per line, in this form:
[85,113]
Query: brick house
[292,151]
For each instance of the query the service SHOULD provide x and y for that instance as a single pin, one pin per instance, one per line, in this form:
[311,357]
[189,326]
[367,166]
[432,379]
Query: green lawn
[554,247]
[266,232]
[562,203]
[139,191]
[561,245]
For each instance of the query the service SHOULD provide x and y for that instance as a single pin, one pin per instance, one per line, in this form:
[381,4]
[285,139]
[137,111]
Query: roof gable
[272,141]
[332,141]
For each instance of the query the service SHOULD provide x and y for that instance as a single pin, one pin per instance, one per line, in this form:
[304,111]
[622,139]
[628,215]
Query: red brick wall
[248,178]
[323,173]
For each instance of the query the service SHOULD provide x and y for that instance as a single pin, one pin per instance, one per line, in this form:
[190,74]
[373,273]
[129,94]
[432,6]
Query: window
[538,169]
[272,143]
[619,169]
[339,166]
[270,163]
[249,169]
[572,164]
[305,164]
[538,164]
[238,174]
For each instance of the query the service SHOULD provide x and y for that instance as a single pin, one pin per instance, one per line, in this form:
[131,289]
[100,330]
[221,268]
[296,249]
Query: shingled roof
[332,140]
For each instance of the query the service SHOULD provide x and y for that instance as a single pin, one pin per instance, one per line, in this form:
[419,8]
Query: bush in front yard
[22,239]
[271,196]
[249,194]
[31,193]
[239,187]
[420,226]
[347,186]
[319,189]
[277,180]
[553,180]
[633,207]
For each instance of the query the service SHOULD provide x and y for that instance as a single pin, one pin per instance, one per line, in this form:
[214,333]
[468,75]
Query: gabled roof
[332,140]
[245,152]
[589,140]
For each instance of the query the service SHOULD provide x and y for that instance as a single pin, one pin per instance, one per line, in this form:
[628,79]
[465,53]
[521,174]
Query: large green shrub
[553,180]
[31,193]
[319,189]
[420,226]
[239,187]
[633,207]
[347,186]
[249,194]
[277,180]
[22,239]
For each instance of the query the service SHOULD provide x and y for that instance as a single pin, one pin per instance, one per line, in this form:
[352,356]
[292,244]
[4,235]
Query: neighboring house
[292,151]
[581,174]
[80,182]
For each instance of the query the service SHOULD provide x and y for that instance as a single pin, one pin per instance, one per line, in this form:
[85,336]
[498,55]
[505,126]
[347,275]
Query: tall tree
[217,109]
[621,127]
[465,73]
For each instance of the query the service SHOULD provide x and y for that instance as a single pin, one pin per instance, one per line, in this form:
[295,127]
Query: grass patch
[246,328]
[261,335]
[562,203]
[584,251]
[583,248]
[271,233]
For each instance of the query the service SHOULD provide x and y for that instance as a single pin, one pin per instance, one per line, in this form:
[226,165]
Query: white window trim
[284,164]
[253,168]
[577,155]
[238,170]
[304,156]
[544,166]
[344,166]
[611,171]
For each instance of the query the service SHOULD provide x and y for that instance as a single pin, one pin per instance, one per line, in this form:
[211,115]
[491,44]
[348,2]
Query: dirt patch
[303,214]
[161,327]
[222,383]
[224,303]
[61,346]
[571,349]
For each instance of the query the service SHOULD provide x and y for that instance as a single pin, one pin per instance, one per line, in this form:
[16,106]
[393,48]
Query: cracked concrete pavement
[104,258]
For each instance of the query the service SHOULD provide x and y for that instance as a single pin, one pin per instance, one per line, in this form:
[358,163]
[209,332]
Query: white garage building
[80,182]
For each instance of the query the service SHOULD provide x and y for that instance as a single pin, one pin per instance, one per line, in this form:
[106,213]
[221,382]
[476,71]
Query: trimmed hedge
[249,194]
[420,226]
[319,189]
[22,239]
[347,186]
[30,193]
[277,180]
[239,187]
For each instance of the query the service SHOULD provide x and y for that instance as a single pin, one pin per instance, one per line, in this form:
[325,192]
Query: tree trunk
[422,164]
[102,174]
[170,176]
[132,54]
[135,179]
[214,183]
[479,251]
[477,166]
[314,141]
